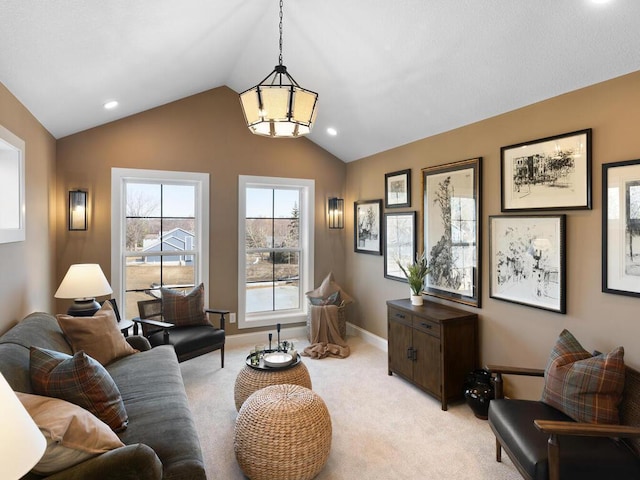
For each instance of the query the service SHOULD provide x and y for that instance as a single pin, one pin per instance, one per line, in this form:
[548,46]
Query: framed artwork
[399,243]
[621,228]
[452,213]
[397,189]
[367,230]
[527,260]
[552,173]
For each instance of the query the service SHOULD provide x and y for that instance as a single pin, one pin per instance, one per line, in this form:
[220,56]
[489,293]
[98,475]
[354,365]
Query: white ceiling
[387,72]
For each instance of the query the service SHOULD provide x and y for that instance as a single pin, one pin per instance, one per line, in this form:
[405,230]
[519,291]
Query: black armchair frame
[151,321]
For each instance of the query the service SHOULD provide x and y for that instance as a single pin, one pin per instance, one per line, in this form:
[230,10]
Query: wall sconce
[77,210]
[336,213]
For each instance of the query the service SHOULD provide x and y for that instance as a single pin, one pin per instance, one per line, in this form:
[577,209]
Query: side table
[124,326]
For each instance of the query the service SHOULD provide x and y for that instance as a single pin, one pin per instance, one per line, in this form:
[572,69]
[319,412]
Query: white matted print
[527,260]
[621,228]
[548,174]
[367,229]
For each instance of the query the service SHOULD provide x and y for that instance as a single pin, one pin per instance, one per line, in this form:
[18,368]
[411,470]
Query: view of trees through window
[273,251]
[160,240]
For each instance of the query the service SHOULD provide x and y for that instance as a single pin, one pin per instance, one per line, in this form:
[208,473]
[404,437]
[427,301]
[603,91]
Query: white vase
[416,299]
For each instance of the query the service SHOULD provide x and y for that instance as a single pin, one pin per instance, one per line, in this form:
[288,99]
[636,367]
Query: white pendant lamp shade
[21,442]
[279,110]
[278,106]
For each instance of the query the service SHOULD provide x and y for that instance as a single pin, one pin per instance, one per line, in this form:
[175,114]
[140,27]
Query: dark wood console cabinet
[433,346]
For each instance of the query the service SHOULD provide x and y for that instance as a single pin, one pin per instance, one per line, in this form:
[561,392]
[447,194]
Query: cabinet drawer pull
[400,315]
[410,353]
[426,325]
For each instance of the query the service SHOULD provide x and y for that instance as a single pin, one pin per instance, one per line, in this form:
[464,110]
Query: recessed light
[332,131]
[600,1]
[110,105]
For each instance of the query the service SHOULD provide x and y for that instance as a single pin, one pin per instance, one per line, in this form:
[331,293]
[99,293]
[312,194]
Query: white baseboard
[299,334]
[368,337]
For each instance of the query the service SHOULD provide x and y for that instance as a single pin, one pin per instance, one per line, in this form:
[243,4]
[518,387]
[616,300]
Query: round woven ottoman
[250,380]
[282,432]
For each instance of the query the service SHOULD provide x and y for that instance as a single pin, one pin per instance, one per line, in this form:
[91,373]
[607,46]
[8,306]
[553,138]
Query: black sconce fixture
[336,213]
[77,210]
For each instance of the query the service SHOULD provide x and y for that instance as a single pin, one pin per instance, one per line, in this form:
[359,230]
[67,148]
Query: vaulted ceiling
[387,72]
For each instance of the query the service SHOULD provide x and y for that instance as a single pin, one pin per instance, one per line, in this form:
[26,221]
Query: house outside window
[159,234]
[275,262]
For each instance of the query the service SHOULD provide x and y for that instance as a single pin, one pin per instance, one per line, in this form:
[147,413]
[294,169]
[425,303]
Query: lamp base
[85,307]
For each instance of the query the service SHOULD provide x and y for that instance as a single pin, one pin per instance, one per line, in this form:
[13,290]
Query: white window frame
[119,178]
[307,235]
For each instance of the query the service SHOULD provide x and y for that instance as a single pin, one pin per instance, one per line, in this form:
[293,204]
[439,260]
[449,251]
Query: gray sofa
[161,440]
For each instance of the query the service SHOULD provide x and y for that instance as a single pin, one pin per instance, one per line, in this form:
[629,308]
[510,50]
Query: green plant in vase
[416,273]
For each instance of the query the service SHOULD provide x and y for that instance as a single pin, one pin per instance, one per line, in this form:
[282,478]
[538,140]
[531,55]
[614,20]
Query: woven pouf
[282,432]
[250,380]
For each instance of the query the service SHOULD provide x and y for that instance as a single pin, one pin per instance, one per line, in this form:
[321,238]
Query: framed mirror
[12,188]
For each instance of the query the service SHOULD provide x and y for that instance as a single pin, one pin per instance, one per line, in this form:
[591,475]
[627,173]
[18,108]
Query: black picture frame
[552,173]
[621,228]
[397,189]
[400,239]
[527,260]
[453,244]
[367,231]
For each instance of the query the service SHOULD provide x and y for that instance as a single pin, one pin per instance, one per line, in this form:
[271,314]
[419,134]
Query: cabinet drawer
[399,316]
[427,326]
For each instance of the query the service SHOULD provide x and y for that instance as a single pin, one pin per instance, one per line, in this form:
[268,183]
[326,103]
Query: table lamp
[21,442]
[83,282]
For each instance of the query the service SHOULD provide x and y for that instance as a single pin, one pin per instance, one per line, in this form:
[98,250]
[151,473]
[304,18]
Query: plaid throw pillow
[587,388]
[183,310]
[80,380]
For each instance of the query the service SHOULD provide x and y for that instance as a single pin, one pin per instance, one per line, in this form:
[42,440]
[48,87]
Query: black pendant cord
[280,26]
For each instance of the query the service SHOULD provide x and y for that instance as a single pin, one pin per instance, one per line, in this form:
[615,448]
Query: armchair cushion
[184,309]
[586,388]
[99,336]
[80,380]
[189,340]
[581,457]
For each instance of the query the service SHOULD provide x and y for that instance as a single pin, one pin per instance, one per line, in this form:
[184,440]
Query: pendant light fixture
[278,106]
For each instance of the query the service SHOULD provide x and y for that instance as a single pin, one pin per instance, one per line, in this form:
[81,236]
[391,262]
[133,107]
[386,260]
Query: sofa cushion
[184,309]
[73,434]
[586,388]
[78,379]
[99,336]
[159,414]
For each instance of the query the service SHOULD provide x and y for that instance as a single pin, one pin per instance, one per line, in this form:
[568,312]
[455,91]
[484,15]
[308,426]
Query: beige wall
[27,268]
[201,133]
[512,334]
[194,134]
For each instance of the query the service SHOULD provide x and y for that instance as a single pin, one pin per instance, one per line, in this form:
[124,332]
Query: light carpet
[383,427]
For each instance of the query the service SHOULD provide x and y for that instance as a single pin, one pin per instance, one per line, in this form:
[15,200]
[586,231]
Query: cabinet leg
[390,373]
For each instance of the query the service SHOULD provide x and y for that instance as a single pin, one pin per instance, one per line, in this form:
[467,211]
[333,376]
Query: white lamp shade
[279,110]
[21,442]
[84,280]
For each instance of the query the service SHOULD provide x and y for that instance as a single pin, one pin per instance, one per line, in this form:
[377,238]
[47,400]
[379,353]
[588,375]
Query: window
[275,257]
[159,233]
